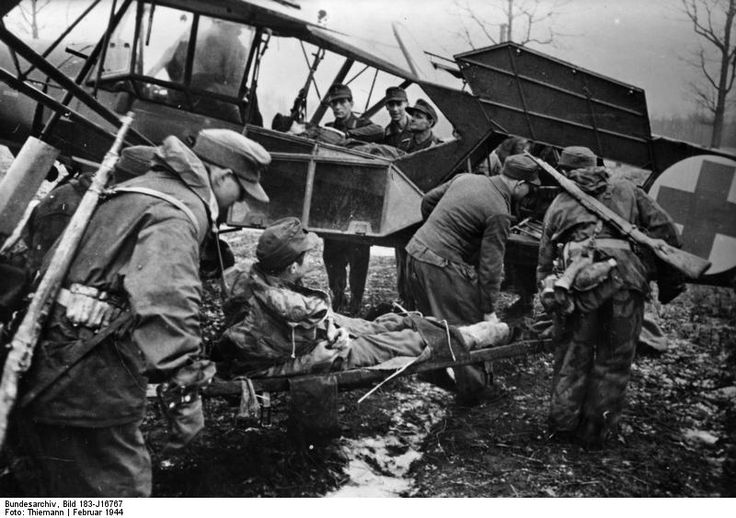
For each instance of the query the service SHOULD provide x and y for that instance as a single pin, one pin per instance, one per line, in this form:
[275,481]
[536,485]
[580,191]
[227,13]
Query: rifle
[29,331]
[689,264]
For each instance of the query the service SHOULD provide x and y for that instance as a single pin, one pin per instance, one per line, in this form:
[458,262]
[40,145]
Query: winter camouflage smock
[567,220]
[143,251]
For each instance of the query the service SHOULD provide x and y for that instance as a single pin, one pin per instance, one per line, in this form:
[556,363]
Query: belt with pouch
[89,307]
[600,242]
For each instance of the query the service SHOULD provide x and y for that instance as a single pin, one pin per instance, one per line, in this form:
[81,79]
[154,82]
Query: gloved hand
[337,338]
[186,420]
[181,402]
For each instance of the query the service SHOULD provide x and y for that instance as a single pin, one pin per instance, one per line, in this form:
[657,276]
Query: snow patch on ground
[378,466]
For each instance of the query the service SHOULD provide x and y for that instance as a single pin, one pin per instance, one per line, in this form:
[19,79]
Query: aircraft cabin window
[218,64]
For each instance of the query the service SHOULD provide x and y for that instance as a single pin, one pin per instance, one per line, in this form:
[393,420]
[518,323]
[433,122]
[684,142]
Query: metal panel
[554,102]
[337,196]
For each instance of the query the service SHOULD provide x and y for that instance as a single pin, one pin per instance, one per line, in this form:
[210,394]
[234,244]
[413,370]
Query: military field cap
[521,167]
[395,93]
[231,150]
[282,243]
[576,157]
[425,108]
[134,161]
[338,91]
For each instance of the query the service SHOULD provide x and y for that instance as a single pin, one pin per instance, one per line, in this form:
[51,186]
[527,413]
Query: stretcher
[366,376]
[313,397]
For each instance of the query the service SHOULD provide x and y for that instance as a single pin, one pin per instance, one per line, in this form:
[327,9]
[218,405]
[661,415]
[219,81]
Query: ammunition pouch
[574,248]
[89,307]
[597,295]
[587,283]
[593,275]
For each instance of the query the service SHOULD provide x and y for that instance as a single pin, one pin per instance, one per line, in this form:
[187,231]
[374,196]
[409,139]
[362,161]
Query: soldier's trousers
[402,287]
[592,366]
[449,293]
[337,255]
[72,461]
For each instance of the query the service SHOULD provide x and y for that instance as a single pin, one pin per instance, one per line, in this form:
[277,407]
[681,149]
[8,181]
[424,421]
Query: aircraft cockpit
[191,62]
[254,67]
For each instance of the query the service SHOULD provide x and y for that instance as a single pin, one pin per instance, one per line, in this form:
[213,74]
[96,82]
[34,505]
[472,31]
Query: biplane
[70,98]
[64,102]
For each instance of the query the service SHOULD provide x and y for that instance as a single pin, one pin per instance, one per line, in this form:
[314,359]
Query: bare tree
[28,12]
[509,20]
[713,21]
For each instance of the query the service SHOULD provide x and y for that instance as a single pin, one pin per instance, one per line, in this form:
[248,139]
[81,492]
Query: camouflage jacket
[567,220]
[144,251]
[269,322]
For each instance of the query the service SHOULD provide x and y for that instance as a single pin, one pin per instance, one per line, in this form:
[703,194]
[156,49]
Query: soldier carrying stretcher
[127,315]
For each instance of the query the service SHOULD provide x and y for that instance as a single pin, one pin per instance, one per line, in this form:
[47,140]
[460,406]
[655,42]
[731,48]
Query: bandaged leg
[485,334]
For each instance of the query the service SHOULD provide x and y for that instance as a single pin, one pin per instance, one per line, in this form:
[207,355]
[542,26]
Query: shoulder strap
[162,196]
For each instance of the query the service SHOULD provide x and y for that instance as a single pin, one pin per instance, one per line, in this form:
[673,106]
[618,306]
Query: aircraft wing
[7,6]
[281,19]
[380,56]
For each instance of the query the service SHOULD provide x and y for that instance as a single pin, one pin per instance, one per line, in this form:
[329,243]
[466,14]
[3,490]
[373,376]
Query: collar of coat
[182,161]
[503,189]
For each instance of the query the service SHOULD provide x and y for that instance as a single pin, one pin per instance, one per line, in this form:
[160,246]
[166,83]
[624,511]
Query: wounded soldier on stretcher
[277,327]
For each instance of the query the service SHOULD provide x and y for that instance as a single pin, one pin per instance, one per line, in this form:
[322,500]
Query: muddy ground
[678,436]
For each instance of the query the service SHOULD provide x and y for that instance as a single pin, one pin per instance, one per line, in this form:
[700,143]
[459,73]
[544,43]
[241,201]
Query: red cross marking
[705,212]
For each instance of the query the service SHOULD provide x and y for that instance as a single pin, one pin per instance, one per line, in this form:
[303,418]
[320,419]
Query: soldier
[423,119]
[604,316]
[128,314]
[340,99]
[338,254]
[218,64]
[277,326]
[455,262]
[397,133]
[219,58]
